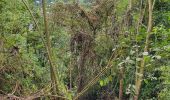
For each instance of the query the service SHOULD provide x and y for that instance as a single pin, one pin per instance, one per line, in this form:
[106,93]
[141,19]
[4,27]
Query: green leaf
[101,83]
[146,81]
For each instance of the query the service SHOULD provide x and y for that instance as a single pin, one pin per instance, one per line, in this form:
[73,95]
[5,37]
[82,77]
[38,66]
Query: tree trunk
[121,84]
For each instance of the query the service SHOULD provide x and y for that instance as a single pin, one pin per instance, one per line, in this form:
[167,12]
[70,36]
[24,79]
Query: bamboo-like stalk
[138,25]
[141,69]
[47,44]
[55,89]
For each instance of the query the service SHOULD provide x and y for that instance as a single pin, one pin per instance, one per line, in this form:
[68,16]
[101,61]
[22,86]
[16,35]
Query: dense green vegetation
[84,49]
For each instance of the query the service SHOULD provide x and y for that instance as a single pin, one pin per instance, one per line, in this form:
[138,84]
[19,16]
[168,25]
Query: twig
[15,88]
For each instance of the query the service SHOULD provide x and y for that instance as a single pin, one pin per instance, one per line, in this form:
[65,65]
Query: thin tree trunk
[141,69]
[47,44]
[70,76]
[55,89]
[121,84]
